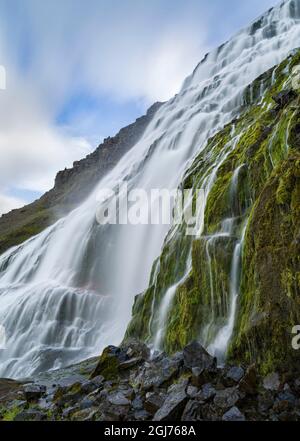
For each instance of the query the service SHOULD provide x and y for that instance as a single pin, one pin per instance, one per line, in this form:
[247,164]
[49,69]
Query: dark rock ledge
[126,384]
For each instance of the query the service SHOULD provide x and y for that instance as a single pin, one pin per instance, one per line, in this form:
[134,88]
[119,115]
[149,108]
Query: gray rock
[34,392]
[248,383]
[30,415]
[233,414]
[192,411]
[192,391]
[235,374]
[207,392]
[195,356]
[154,402]
[173,406]
[226,398]
[118,399]
[131,363]
[272,382]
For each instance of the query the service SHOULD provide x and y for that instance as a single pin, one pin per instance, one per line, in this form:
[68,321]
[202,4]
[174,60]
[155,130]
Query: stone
[248,383]
[142,415]
[207,392]
[195,356]
[233,414]
[129,364]
[174,405]
[33,392]
[226,398]
[284,97]
[136,349]
[154,402]
[272,382]
[30,415]
[84,415]
[118,399]
[137,403]
[192,411]
[235,374]
[192,391]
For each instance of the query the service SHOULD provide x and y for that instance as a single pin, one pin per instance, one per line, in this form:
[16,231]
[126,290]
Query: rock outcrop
[160,388]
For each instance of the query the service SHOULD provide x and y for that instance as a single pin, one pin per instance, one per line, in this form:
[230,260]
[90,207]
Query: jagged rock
[159,372]
[109,362]
[174,404]
[154,402]
[265,401]
[192,411]
[207,392]
[233,414]
[199,377]
[248,384]
[272,382]
[192,391]
[118,399]
[138,403]
[195,356]
[84,415]
[30,415]
[136,349]
[284,98]
[235,374]
[227,398]
[33,392]
[129,364]
[142,415]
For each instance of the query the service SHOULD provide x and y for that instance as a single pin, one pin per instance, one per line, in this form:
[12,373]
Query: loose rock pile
[126,384]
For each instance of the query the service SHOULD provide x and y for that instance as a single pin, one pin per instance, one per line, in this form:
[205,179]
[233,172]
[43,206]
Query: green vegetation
[263,147]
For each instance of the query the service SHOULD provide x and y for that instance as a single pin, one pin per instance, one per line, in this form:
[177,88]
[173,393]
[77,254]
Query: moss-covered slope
[250,173]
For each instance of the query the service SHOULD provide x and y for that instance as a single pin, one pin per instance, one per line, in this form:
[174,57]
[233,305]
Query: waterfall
[68,292]
[219,346]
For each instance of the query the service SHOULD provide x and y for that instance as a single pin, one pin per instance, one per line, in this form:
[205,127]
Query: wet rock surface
[126,384]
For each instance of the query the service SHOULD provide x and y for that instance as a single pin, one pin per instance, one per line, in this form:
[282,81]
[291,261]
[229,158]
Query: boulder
[233,414]
[248,383]
[154,402]
[284,97]
[195,356]
[272,382]
[136,349]
[174,404]
[30,415]
[235,374]
[226,398]
[109,362]
[33,392]
[207,392]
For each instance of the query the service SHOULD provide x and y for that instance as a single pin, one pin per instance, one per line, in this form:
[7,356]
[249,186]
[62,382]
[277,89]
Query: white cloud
[9,203]
[125,51]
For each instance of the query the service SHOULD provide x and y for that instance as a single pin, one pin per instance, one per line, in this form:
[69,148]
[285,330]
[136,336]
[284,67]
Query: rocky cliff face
[240,293]
[72,186]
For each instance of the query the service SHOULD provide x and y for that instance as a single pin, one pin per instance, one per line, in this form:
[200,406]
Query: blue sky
[77,71]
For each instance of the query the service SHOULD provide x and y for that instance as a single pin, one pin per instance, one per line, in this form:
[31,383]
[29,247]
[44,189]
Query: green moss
[263,144]
[108,366]
[10,414]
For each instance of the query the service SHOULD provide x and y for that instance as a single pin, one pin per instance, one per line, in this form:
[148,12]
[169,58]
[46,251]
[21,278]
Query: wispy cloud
[123,54]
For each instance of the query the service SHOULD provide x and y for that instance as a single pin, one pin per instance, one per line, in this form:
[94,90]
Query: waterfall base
[125,384]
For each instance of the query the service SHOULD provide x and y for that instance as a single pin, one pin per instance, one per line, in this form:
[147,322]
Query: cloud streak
[122,54]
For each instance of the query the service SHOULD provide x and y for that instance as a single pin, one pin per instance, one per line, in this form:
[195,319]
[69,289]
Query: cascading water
[68,292]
